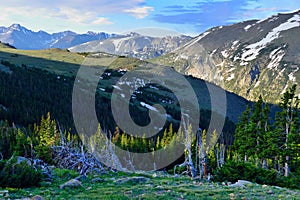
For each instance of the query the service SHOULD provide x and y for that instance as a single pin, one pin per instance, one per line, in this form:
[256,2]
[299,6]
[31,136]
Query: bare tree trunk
[264,163]
[217,153]
[286,166]
[222,154]
[188,146]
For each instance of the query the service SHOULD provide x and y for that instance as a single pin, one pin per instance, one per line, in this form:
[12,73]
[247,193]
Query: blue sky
[184,16]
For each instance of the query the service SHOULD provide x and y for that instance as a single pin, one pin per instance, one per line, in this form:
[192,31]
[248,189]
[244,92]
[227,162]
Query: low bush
[18,175]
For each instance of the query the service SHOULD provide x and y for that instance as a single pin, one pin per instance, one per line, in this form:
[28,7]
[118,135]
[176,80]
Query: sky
[190,17]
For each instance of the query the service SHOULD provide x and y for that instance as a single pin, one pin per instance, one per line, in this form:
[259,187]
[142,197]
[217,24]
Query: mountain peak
[15,27]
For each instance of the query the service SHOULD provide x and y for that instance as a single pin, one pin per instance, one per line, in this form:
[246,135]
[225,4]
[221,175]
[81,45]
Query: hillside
[250,58]
[59,68]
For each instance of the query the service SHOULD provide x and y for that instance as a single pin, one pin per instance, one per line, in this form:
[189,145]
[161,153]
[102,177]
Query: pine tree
[242,132]
[47,137]
[287,127]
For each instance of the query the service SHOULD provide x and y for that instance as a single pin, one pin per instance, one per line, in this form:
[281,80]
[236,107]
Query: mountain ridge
[134,45]
[249,58]
[23,38]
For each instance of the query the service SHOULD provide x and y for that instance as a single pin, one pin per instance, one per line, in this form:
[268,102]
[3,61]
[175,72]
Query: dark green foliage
[47,137]
[233,171]
[18,175]
[36,142]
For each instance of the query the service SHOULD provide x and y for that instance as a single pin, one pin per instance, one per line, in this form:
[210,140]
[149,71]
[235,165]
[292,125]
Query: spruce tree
[287,128]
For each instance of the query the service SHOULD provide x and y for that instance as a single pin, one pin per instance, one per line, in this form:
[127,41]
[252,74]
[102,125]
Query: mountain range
[249,58]
[23,38]
[134,45]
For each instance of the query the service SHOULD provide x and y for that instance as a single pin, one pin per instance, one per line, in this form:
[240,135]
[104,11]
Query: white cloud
[76,11]
[140,12]
[102,21]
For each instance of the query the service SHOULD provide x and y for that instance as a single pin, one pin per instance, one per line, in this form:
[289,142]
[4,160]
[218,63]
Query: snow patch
[118,42]
[148,106]
[221,64]
[230,70]
[117,87]
[234,44]
[276,56]
[196,40]
[230,78]
[253,49]
[225,54]
[247,27]
[284,89]
[291,75]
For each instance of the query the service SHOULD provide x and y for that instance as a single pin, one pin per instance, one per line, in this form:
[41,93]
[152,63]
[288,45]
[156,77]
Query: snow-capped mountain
[134,45]
[250,58]
[22,38]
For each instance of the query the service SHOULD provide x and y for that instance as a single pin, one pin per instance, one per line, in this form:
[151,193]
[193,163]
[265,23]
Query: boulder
[37,197]
[23,159]
[241,183]
[73,183]
[4,193]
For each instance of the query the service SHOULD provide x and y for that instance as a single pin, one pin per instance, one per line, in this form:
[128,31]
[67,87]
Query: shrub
[233,171]
[18,175]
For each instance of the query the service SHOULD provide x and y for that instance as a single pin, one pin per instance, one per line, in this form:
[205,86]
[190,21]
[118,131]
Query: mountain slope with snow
[250,58]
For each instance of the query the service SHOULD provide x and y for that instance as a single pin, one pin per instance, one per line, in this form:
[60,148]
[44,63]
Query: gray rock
[81,178]
[37,197]
[97,180]
[241,183]
[23,159]
[73,183]
[134,180]
[4,193]
[270,192]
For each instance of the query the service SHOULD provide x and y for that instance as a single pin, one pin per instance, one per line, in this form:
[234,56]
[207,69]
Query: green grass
[164,187]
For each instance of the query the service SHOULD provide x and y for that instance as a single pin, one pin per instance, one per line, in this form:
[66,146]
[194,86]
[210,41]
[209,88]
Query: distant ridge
[23,38]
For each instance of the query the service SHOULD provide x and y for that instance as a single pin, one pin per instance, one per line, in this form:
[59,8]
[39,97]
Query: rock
[229,183]
[241,183]
[81,178]
[4,193]
[73,183]
[134,180]
[270,192]
[128,192]
[37,197]
[89,188]
[97,180]
[22,159]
